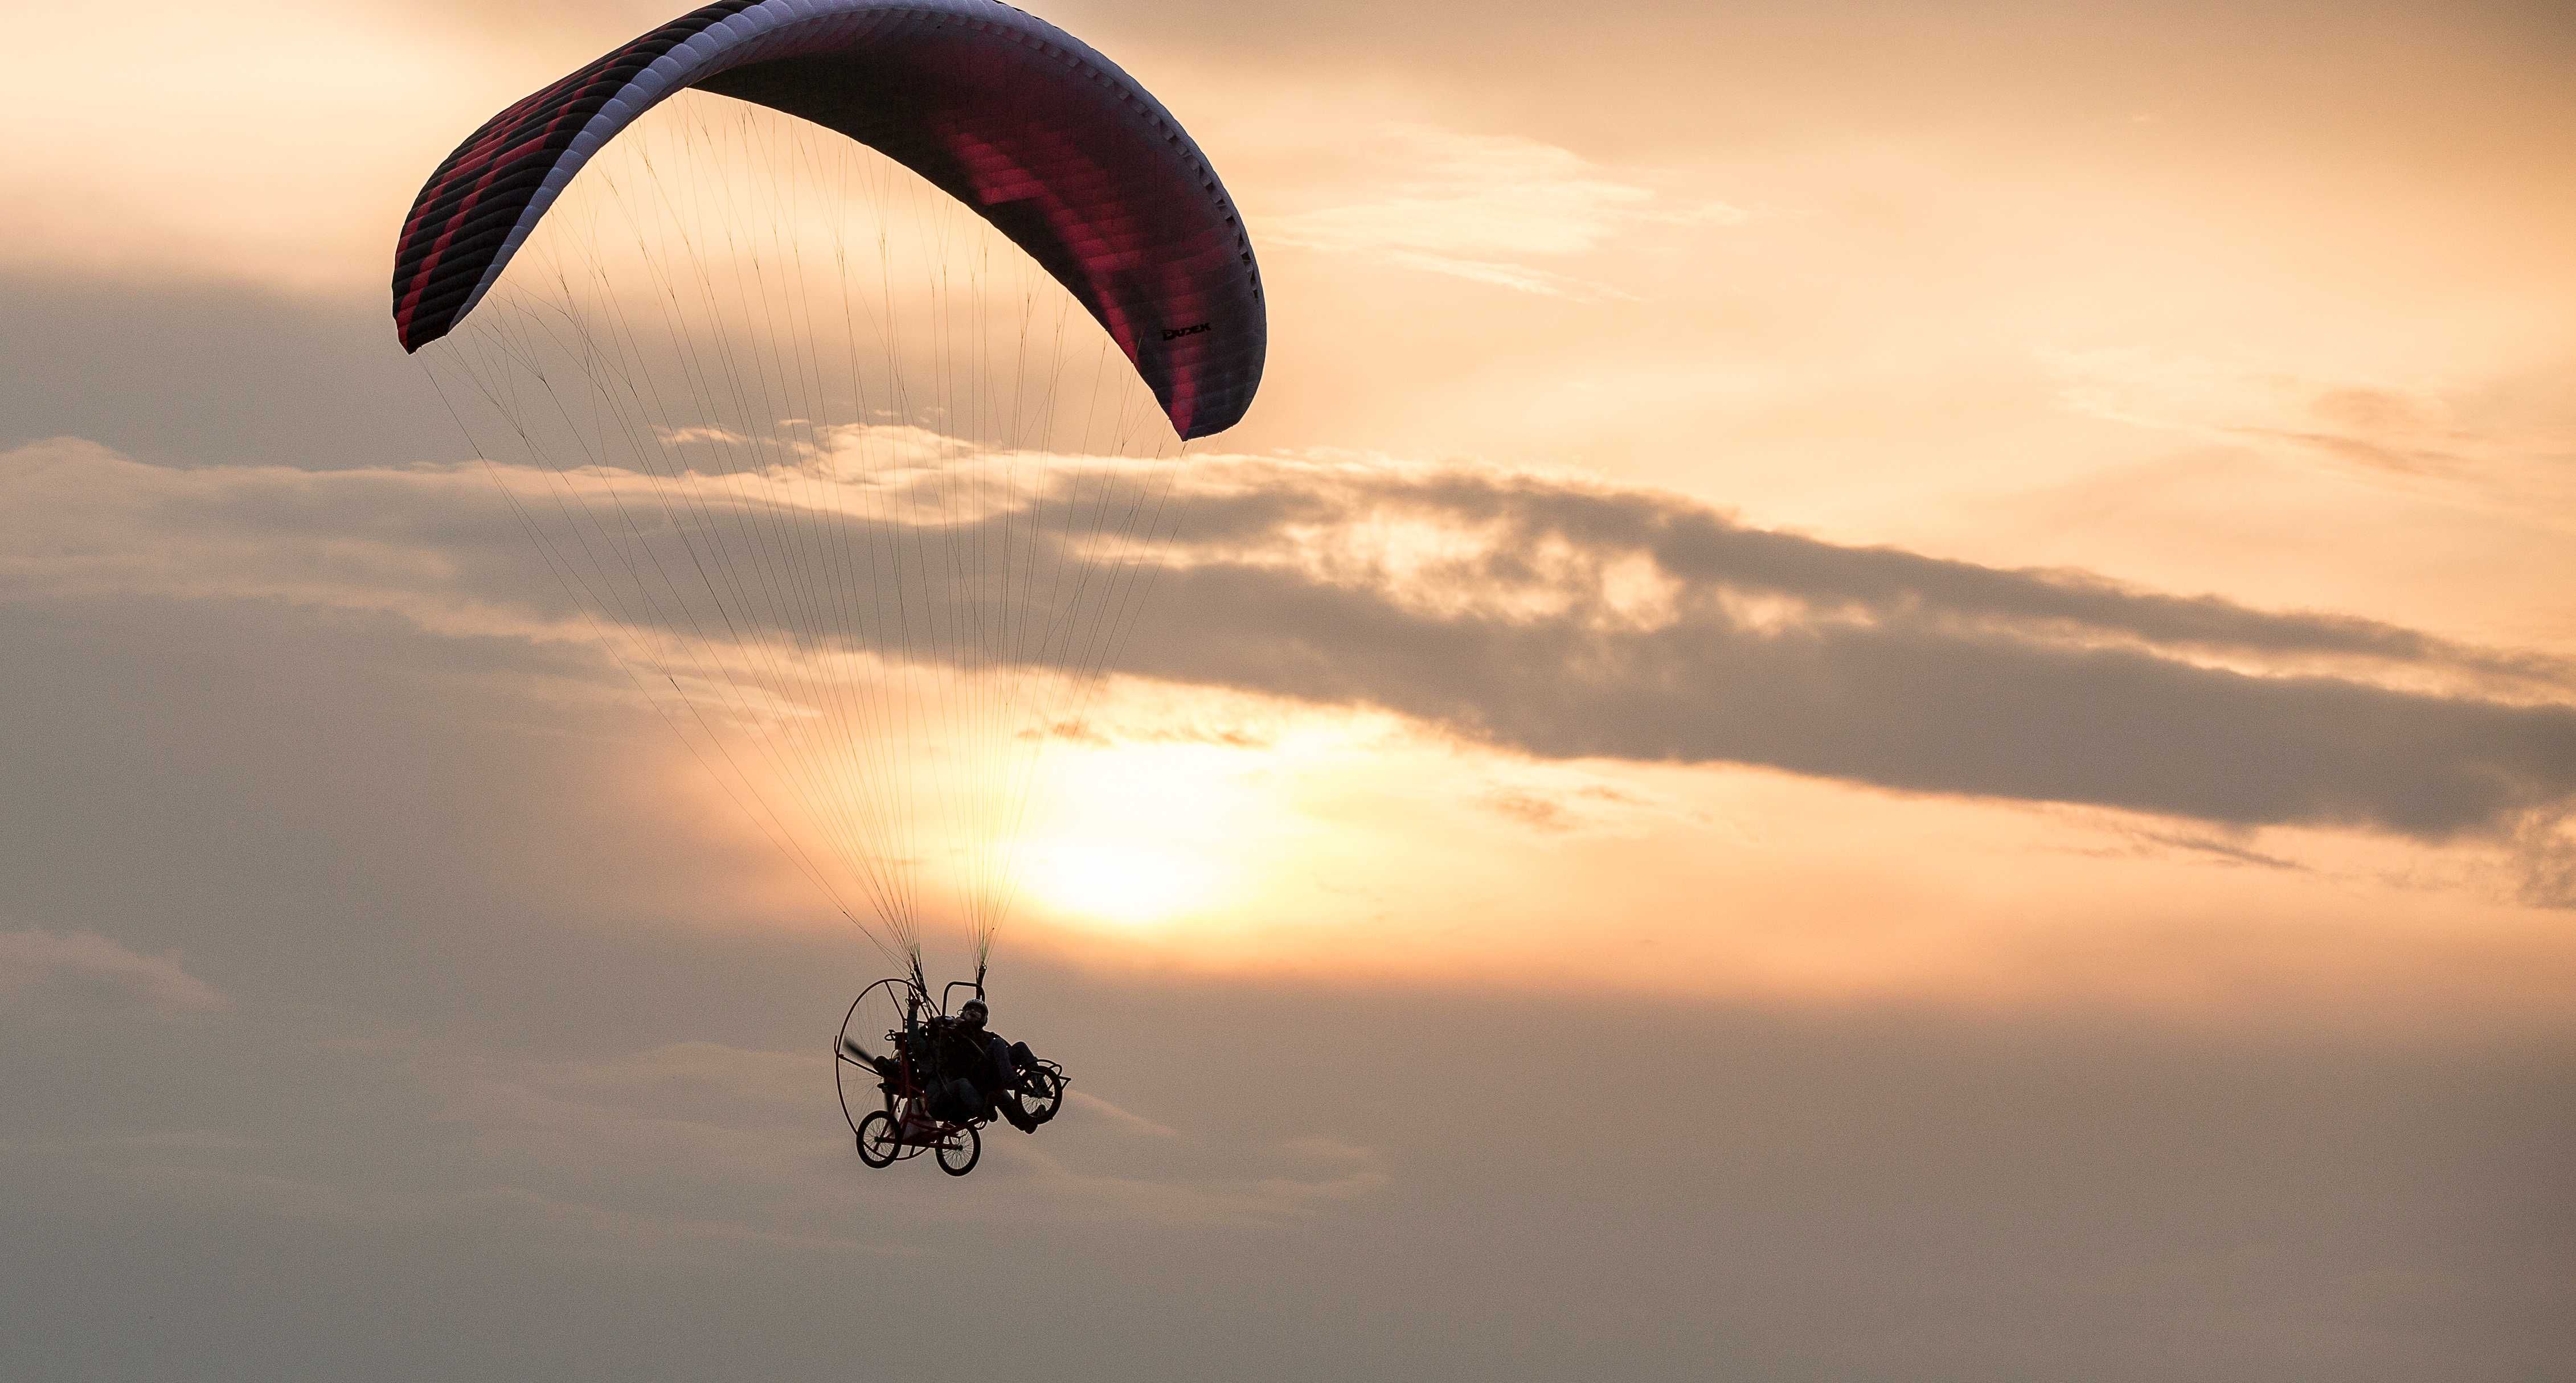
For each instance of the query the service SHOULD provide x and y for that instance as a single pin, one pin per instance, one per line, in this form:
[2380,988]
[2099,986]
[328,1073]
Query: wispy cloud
[2408,430]
[1266,1187]
[87,971]
[1494,209]
[1118,1118]
[701,1110]
[608,1234]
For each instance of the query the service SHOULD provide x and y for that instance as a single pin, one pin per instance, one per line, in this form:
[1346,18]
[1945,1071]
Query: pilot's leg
[1016,1112]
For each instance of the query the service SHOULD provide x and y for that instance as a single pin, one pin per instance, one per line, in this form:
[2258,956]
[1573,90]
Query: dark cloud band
[1868,665]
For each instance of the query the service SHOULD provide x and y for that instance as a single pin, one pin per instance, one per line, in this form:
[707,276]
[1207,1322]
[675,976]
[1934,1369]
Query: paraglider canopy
[839,355]
[1042,136]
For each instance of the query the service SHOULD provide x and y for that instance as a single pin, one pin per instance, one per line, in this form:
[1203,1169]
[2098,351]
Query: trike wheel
[880,1142]
[959,1151]
[1041,1093]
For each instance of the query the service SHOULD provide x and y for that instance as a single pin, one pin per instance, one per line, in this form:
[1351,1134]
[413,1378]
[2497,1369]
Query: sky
[1880,691]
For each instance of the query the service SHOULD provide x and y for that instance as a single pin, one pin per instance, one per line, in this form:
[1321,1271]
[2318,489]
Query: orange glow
[1126,885]
[2295,354]
[1141,834]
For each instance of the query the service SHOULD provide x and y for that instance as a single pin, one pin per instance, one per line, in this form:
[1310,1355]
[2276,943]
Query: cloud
[1531,810]
[82,970]
[1548,616]
[2501,435]
[2222,847]
[743,1123]
[609,1235]
[1341,1171]
[1483,207]
[1593,622]
[1308,1176]
[1119,1118]
[91,357]
[698,1105]
[1564,801]
[1572,620]
[2545,843]
[270,1194]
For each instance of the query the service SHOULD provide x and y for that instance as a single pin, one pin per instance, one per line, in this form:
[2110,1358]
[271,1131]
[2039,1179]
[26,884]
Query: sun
[1134,835]
[1129,885]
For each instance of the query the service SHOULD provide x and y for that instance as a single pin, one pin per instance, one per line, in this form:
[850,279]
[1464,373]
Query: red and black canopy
[1049,141]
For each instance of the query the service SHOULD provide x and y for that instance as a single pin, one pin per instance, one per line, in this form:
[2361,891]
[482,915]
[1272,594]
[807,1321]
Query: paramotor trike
[913,1102]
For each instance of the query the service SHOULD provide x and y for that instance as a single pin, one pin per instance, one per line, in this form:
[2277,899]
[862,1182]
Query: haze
[1882,691]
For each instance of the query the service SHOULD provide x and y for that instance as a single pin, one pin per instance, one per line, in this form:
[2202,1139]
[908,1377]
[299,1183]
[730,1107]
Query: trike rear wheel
[1041,1093]
[959,1151]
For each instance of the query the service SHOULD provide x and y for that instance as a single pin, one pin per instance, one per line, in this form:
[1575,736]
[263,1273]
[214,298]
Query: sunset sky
[1880,691]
